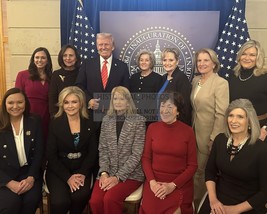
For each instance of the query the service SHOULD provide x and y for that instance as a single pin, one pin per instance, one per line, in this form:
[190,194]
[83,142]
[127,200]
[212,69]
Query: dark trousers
[27,203]
[62,199]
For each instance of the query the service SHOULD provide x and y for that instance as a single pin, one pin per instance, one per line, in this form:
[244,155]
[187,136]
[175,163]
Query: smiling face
[205,64]
[248,58]
[168,112]
[238,122]
[145,62]
[104,46]
[169,62]
[120,103]
[72,105]
[40,59]
[15,105]
[69,59]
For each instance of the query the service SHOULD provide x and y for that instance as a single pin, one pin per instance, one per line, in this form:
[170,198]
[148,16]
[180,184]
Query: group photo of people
[201,150]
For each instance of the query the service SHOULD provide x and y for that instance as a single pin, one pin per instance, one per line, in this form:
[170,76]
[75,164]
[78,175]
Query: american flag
[82,35]
[234,35]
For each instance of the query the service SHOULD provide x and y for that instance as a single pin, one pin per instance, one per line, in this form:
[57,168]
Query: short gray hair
[151,57]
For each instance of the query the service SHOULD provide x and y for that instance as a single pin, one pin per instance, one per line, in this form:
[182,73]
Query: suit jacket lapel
[97,72]
[125,129]
[28,135]
[112,73]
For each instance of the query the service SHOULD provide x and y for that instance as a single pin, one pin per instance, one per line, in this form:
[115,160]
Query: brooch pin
[28,133]
[62,77]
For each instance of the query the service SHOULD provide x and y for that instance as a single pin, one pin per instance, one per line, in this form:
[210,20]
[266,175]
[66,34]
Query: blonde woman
[249,80]
[120,148]
[209,98]
[71,153]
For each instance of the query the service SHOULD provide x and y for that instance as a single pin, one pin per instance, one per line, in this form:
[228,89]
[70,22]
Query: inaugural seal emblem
[155,39]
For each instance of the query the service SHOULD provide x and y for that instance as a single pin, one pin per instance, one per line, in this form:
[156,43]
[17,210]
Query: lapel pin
[62,77]
[28,133]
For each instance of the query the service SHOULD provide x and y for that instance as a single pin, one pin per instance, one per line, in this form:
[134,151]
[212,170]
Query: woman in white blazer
[209,98]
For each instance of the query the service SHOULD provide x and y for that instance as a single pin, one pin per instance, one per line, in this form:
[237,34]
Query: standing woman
[210,99]
[169,161]
[35,82]
[21,151]
[71,153]
[145,84]
[236,176]
[249,80]
[69,60]
[120,148]
[176,81]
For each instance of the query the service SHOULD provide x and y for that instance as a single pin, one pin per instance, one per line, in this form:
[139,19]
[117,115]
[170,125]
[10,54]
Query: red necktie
[104,74]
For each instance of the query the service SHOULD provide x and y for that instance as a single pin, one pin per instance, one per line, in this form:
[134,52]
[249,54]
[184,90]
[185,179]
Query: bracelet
[103,173]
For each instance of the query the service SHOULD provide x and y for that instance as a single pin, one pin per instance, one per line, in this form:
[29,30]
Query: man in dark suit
[90,77]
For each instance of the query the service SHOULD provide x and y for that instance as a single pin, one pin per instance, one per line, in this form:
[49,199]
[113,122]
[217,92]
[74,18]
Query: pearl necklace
[243,80]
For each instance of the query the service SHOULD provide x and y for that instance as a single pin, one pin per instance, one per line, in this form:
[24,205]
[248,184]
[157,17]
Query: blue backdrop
[93,7]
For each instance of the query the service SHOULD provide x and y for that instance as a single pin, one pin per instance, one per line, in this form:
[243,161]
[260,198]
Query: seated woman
[169,161]
[21,153]
[120,148]
[236,175]
[71,153]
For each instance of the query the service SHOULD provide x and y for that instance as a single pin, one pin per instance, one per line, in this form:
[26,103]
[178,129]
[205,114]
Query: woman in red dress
[169,161]
[35,82]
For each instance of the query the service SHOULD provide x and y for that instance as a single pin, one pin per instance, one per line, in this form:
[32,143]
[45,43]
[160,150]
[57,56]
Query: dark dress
[169,156]
[180,83]
[253,89]
[60,79]
[144,90]
[242,179]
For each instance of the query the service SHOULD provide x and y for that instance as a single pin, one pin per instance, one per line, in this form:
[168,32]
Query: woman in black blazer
[176,81]
[71,153]
[21,151]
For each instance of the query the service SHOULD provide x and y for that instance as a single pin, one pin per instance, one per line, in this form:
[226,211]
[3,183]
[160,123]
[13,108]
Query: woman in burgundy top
[35,82]
[169,161]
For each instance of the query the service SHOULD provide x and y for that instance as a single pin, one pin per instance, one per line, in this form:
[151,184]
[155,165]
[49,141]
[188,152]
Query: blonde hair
[213,57]
[131,109]
[105,36]
[260,67]
[78,93]
[175,51]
